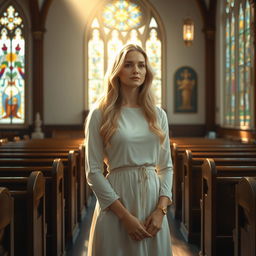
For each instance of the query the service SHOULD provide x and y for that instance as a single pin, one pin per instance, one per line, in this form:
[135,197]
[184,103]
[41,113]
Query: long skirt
[138,188]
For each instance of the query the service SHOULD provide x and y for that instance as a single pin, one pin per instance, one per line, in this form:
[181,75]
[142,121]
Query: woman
[130,134]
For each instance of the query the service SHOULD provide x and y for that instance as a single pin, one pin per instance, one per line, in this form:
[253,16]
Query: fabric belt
[143,173]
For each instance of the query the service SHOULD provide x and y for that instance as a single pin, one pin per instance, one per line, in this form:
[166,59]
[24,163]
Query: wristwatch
[163,209]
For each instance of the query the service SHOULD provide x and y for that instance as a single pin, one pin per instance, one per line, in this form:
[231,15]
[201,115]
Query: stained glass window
[96,64]
[248,67]
[153,48]
[241,70]
[122,15]
[228,76]
[119,22]
[238,80]
[233,74]
[12,68]
[114,44]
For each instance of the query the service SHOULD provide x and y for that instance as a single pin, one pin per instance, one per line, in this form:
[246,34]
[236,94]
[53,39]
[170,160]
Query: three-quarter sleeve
[164,166]
[94,161]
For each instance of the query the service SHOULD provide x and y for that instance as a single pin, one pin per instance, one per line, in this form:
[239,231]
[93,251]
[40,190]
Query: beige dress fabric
[139,171]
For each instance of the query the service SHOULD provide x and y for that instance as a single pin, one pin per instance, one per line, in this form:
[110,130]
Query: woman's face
[133,71]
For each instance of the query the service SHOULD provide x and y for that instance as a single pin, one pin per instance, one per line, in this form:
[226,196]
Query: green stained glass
[12,68]
[247,33]
[248,67]
[122,15]
[244,66]
[241,37]
[153,49]
[247,98]
[238,63]
[241,96]
[229,5]
[233,82]
[228,78]
[241,81]
[95,67]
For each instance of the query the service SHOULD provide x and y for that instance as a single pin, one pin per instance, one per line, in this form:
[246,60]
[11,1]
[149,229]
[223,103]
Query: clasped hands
[138,230]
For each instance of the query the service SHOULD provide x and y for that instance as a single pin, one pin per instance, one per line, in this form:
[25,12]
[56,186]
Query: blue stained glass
[122,15]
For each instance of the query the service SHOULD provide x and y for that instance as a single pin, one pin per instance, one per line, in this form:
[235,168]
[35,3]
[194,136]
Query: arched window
[238,94]
[12,66]
[116,23]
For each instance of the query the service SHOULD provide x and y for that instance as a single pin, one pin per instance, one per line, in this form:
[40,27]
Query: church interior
[53,58]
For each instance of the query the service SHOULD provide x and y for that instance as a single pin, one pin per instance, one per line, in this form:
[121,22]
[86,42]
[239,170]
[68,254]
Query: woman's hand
[134,227]
[154,221]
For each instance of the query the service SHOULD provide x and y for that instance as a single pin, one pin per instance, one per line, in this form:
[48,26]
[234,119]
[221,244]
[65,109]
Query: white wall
[173,12]
[64,64]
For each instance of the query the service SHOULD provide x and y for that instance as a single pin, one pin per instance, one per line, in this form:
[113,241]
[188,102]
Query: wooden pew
[202,141]
[70,188]
[61,146]
[177,152]
[3,141]
[54,197]
[191,186]
[6,223]
[245,231]
[26,137]
[42,143]
[218,206]
[29,213]
[16,138]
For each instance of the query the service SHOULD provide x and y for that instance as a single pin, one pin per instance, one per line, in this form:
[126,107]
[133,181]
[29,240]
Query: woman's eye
[127,65]
[142,65]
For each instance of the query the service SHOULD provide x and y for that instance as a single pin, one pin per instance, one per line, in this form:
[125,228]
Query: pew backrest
[245,230]
[218,189]
[29,213]
[6,222]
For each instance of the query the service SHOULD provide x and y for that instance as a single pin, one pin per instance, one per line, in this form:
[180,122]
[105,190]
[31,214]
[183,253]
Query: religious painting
[185,90]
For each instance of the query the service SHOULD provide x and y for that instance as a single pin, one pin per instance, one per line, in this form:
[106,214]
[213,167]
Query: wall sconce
[188,32]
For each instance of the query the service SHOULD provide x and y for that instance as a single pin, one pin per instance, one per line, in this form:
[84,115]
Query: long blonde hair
[110,104]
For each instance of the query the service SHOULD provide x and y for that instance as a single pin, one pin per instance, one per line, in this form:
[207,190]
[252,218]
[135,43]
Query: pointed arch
[113,24]
[13,65]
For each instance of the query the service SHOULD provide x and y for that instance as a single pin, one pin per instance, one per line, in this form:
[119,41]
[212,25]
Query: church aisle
[179,246]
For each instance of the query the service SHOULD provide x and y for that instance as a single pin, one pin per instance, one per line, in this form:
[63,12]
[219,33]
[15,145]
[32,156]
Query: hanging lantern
[188,32]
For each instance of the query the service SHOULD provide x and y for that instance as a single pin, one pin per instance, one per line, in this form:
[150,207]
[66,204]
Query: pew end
[6,223]
[245,230]
[29,213]
[190,225]
[208,168]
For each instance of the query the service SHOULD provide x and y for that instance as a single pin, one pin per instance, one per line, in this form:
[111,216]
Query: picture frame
[185,90]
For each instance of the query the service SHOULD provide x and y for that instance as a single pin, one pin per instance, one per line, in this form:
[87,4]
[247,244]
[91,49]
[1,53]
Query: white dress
[140,170]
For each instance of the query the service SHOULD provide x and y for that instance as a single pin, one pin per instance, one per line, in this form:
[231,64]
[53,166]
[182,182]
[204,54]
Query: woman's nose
[136,69]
